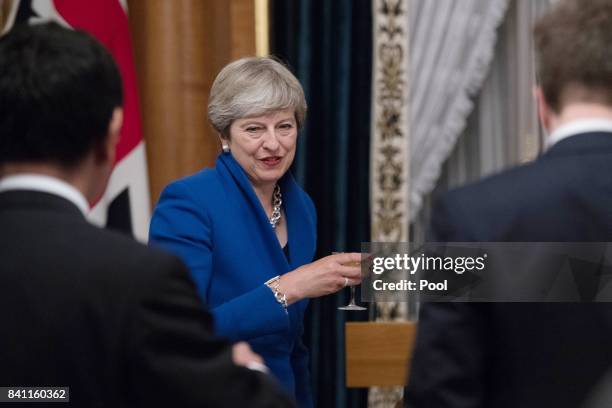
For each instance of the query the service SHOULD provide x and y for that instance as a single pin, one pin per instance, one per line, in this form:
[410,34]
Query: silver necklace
[277,200]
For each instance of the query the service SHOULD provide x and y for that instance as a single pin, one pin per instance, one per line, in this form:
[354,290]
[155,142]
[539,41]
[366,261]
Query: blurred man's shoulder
[120,253]
[515,186]
[496,206]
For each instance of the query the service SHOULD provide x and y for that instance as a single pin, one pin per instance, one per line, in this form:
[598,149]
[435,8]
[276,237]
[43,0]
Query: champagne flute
[351,305]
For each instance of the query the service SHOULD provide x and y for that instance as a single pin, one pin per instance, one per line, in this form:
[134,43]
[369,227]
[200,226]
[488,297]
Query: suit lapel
[228,167]
[298,225]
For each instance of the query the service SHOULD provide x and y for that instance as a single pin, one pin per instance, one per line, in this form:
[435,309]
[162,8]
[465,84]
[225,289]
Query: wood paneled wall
[179,47]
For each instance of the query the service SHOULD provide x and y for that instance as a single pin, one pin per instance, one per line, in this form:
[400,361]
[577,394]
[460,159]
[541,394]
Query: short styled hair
[58,90]
[254,86]
[574,52]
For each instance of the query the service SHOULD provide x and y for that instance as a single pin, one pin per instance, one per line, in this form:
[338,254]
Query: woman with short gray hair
[246,229]
[251,87]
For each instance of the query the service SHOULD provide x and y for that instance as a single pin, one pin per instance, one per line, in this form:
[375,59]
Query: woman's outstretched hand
[322,277]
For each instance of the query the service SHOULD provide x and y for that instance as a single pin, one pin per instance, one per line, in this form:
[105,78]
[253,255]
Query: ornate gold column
[389,151]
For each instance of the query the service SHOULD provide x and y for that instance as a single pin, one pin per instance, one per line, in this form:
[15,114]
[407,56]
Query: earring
[225,148]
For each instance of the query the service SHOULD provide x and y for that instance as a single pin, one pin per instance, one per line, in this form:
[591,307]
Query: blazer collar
[583,143]
[29,200]
[45,184]
[293,204]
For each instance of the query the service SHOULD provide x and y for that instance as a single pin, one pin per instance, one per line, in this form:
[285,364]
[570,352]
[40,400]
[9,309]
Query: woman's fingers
[325,276]
[350,272]
[347,257]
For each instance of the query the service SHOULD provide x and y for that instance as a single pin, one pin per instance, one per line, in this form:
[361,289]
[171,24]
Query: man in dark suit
[532,355]
[80,307]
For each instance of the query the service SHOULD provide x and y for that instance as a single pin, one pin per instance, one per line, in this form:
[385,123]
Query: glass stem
[352,302]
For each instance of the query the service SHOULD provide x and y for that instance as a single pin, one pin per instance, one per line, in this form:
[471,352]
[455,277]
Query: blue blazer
[214,221]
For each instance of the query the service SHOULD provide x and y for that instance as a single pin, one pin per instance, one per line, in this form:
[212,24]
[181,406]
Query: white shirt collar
[45,184]
[577,127]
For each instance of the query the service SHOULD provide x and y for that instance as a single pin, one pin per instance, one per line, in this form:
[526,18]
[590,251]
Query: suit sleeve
[181,225]
[173,357]
[449,357]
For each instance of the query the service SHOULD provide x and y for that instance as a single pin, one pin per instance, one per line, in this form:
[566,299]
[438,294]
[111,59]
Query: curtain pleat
[450,55]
